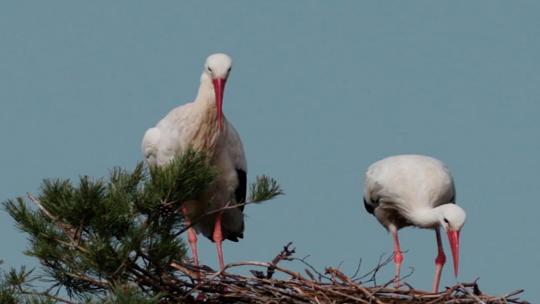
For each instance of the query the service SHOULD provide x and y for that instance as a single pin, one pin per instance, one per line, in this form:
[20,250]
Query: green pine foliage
[97,236]
[16,287]
[263,189]
[130,295]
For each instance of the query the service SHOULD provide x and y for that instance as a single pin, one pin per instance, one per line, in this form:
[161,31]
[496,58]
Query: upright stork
[201,125]
[415,190]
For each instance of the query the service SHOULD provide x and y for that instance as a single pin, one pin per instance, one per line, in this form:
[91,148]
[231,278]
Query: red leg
[218,238]
[398,257]
[439,262]
[192,238]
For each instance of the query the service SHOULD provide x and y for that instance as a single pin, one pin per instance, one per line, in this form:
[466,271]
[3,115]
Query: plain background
[319,90]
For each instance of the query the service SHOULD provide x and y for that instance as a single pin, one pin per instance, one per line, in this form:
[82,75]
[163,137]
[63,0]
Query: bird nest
[312,286]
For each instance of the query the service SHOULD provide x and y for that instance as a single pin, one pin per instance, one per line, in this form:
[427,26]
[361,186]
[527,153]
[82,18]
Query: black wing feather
[241,190]
[371,205]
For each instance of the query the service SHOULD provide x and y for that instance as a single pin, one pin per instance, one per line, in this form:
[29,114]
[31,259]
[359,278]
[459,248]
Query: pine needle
[264,188]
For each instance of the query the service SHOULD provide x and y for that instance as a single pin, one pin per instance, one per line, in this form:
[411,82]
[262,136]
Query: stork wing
[371,194]
[235,150]
[397,181]
[150,145]
[170,137]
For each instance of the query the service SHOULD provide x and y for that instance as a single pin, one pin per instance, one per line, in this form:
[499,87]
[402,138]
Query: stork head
[452,219]
[217,67]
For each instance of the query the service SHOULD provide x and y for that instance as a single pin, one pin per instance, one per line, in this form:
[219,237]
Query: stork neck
[205,139]
[206,96]
[206,104]
[425,217]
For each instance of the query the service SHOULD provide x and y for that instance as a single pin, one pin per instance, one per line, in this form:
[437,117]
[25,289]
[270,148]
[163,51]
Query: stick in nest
[334,287]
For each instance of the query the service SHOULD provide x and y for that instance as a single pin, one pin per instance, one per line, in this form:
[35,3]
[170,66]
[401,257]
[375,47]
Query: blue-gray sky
[319,90]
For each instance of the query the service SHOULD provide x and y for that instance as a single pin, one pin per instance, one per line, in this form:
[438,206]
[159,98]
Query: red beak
[219,89]
[453,238]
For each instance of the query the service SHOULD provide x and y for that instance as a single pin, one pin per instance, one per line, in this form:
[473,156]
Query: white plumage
[202,126]
[415,190]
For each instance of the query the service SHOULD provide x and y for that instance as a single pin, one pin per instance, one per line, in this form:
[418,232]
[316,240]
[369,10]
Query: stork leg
[398,257]
[192,238]
[218,238]
[439,262]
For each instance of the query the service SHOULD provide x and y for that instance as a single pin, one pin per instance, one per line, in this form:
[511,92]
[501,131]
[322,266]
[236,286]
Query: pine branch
[263,189]
[16,287]
[123,229]
[129,295]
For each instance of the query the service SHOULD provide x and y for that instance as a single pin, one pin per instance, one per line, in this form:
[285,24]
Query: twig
[285,254]
[320,274]
[102,283]
[227,206]
[223,286]
[47,295]
[346,279]
[68,229]
[466,290]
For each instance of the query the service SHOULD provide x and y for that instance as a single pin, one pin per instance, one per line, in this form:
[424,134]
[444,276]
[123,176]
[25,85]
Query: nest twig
[332,286]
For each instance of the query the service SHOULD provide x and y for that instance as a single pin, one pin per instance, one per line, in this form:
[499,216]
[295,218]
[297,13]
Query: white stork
[415,190]
[202,126]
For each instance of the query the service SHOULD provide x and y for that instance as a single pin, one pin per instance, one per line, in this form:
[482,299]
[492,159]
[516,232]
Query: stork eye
[446,221]
[229,70]
[209,69]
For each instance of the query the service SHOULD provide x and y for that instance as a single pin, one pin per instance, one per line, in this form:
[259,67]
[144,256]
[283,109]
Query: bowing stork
[202,126]
[415,190]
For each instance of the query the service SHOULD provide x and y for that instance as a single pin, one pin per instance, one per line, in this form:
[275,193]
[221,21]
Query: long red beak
[453,238]
[219,89]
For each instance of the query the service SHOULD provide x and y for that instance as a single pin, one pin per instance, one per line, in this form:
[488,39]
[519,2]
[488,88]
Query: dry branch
[331,287]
